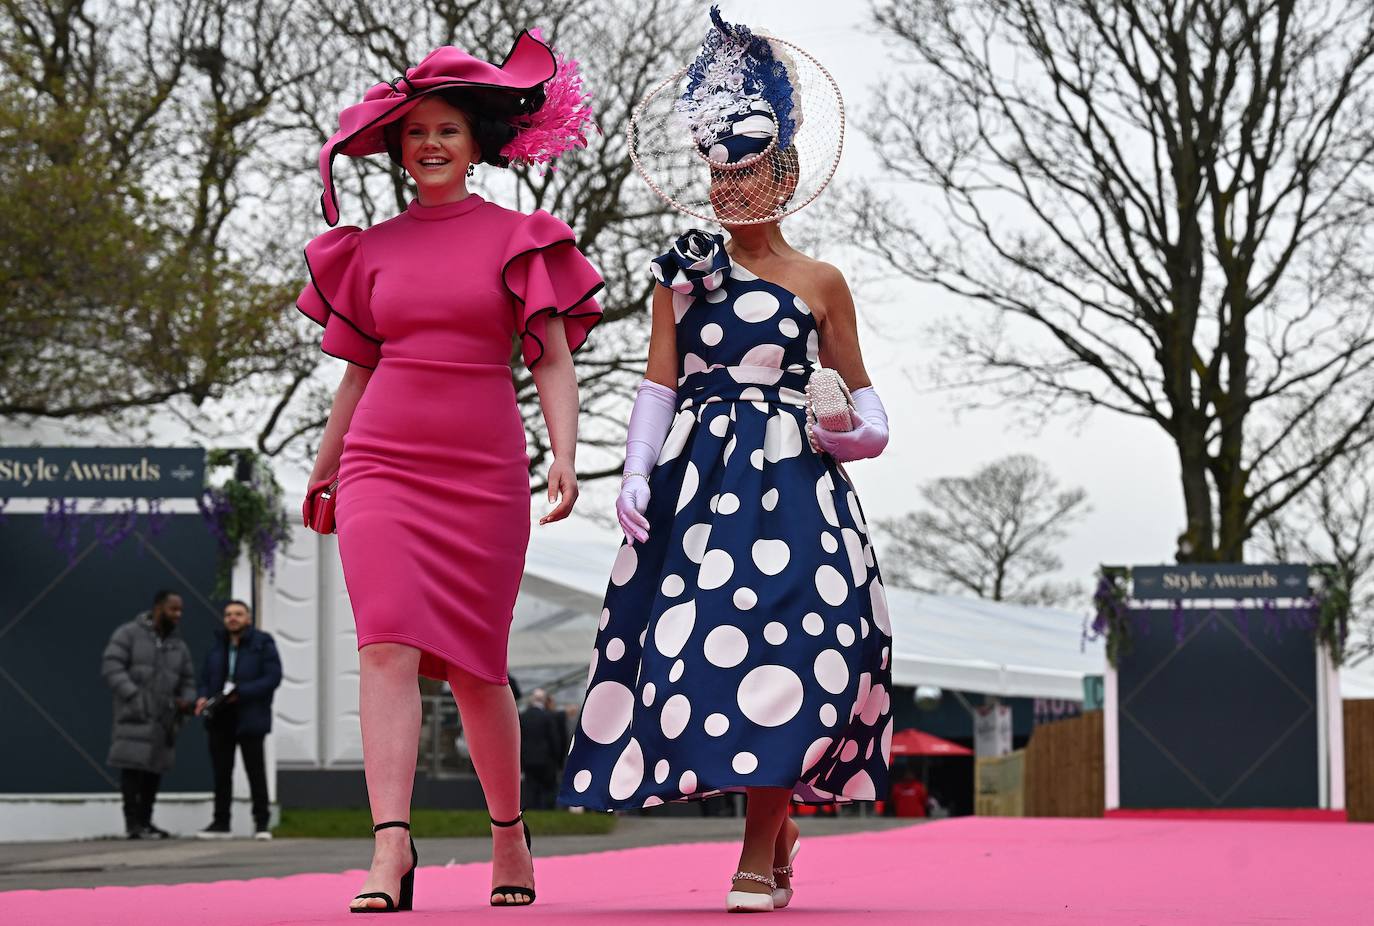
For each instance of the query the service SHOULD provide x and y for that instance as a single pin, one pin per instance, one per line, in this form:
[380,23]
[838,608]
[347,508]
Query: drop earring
[472,169]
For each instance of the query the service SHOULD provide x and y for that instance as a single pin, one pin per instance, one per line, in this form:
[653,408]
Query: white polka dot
[813,624]
[677,436]
[673,586]
[674,627]
[814,753]
[854,547]
[782,438]
[887,742]
[824,498]
[828,542]
[628,772]
[879,600]
[775,633]
[770,499]
[625,562]
[860,696]
[676,671]
[716,295]
[582,781]
[687,784]
[829,715]
[591,669]
[845,634]
[756,459]
[653,800]
[789,328]
[692,364]
[694,541]
[771,556]
[860,788]
[745,598]
[854,510]
[761,364]
[661,771]
[690,481]
[873,706]
[813,347]
[802,307]
[868,752]
[885,655]
[831,585]
[770,695]
[716,569]
[606,713]
[605,618]
[677,710]
[729,450]
[729,503]
[717,724]
[647,696]
[715,499]
[726,646]
[863,626]
[752,394]
[850,751]
[720,425]
[711,334]
[615,649]
[756,306]
[832,671]
[744,762]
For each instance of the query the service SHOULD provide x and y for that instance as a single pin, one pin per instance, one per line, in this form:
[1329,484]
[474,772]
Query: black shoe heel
[517,890]
[405,899]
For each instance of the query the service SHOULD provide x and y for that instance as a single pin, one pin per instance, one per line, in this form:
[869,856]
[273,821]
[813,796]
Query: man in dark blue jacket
[237,680]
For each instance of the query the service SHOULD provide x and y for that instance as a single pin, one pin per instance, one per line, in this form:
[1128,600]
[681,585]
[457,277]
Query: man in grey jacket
[148,667]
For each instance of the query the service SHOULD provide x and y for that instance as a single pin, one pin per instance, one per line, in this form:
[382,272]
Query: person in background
[149,669]
[541,751]
[240,673]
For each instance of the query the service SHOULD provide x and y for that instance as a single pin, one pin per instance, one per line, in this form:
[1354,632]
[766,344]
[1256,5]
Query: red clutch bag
[318,510]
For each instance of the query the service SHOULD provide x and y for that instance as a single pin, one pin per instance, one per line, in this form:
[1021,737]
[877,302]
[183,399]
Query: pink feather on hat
[558,126]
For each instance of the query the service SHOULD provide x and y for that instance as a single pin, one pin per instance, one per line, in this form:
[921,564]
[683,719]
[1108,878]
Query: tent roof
[964,644]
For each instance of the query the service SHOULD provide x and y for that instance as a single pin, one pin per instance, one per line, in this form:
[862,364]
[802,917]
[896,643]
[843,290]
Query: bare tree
[128,136]
[991,534]
[622,49]
[1167,207]
[1333,522]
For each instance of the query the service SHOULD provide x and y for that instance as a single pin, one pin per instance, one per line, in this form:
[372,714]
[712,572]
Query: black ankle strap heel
[520,892]
[406,899]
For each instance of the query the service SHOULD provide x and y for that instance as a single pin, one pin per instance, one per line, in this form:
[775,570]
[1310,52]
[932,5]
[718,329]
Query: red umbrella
[915,743]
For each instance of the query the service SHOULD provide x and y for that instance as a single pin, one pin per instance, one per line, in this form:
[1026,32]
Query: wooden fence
[1064,768]
[1359,760]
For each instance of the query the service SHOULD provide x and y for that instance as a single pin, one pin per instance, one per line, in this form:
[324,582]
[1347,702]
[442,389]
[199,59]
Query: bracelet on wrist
[629,473]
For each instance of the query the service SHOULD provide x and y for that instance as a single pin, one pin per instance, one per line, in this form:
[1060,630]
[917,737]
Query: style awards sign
[1231,580]
[101,472]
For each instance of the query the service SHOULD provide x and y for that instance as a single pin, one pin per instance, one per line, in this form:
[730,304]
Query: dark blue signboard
[1230,580]
[101,472]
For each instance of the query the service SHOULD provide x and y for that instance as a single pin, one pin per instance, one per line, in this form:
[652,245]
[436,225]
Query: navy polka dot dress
[747,642]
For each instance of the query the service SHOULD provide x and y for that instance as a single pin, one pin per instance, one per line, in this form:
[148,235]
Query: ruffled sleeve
[548,276]
[337,297]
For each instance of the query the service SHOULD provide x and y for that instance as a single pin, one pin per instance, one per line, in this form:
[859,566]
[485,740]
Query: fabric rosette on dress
[747,642]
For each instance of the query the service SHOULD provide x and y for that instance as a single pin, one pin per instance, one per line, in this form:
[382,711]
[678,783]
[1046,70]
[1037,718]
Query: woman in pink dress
[433,502]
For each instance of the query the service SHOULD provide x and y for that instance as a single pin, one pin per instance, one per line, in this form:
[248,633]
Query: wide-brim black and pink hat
[536,89]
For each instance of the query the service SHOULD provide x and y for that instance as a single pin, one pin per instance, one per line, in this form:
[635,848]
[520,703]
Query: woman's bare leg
[492,726]
[389,709]
[764,817]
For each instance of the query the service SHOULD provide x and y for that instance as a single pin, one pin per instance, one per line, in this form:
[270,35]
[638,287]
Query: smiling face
[437,145]
[754,192]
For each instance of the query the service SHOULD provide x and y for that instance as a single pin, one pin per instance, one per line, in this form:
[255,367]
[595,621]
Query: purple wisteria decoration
[62,525]
[116,527]
[1176,615]
[244,511]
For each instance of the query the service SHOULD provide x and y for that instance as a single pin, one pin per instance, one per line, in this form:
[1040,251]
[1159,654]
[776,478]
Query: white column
[1111,759]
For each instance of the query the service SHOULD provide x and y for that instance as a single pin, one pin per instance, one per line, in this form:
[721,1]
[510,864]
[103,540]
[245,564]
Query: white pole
[1335,734]
[1111,760]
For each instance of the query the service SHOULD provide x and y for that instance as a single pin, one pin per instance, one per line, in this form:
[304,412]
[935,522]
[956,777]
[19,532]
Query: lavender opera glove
[869,436]
[649,422]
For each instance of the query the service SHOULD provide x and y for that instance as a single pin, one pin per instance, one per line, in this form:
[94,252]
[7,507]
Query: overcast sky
[1126,466]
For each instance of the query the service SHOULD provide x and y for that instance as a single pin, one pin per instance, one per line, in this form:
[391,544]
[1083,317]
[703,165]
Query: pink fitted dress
[434,503]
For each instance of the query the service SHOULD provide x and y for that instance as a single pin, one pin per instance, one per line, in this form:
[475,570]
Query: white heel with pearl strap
[749,901]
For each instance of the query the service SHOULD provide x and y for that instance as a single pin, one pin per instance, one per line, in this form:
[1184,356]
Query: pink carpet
[971,871]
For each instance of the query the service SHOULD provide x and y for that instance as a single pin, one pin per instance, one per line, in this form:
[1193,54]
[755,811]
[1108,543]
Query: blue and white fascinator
[749,106]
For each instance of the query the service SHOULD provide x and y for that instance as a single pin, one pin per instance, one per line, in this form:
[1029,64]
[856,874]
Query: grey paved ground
[119,862]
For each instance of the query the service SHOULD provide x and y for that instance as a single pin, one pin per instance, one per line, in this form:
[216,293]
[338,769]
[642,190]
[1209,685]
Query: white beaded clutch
[828,403]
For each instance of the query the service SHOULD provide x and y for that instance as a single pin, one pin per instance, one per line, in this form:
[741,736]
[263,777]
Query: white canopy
[963,644]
